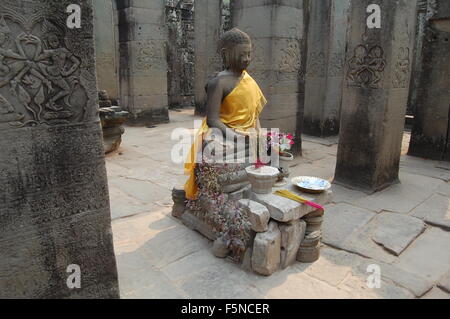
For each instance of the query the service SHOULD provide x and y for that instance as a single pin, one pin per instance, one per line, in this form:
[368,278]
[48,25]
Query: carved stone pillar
[143,62]
[207,60]
[375,94]
[430,136]
[106,43]
[327,33]
[54,206]
[277,29]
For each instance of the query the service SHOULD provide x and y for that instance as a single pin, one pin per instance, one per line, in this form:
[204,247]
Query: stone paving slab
[401,198]
[424,167]
[415,283]
[396,231]
[435,211]
[444,190]
[341,221]
[428,256]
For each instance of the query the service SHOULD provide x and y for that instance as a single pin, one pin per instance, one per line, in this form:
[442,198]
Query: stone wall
[54,203]
[278,31]
[143,60]
[431,98]
[325,66]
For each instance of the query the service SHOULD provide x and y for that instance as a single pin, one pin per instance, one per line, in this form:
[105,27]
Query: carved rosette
[366,67]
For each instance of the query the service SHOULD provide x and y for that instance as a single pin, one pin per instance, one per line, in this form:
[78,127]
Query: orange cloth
[240,111]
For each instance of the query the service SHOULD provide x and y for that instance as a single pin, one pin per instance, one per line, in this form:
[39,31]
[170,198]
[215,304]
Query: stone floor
[404,230]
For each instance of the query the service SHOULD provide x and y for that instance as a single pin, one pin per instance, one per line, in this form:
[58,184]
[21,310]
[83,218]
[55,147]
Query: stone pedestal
[143,62]
[282,231]
[106,47]
[208,15]
[430,134]
[327,33]
[55,223]
[375,94]
[277,29]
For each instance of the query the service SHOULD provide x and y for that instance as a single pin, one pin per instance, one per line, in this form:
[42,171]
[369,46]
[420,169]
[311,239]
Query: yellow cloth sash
[240,111]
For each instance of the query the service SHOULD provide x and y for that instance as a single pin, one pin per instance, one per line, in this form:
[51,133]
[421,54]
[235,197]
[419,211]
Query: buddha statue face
[236,49]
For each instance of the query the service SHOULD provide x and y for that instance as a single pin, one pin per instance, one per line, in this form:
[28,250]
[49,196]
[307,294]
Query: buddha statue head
[235,47]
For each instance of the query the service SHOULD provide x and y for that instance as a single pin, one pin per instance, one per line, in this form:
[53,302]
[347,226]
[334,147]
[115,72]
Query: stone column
[207,25]
[105,48]
[324,75]
[375,94]
[277,29]
[143,63]
[430,134]
[54,206]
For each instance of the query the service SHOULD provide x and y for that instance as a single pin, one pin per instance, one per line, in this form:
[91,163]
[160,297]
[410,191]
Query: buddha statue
[225,144]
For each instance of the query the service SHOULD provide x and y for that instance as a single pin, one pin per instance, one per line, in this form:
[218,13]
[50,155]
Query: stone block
[287,21]
[136,16]
[196,224]
[395,231]
[267,251]
[341,221]
[285,210]
[243,4]
[425,255]
[292,235]
[258,215]
[308,254]
[243,193]
[155,4]
[434,211]
[220,248]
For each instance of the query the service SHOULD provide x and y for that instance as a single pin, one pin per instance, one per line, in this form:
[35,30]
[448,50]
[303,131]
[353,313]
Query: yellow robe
[240,111]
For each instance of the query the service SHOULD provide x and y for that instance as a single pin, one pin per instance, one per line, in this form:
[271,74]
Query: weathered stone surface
[429,138]
[220,248]
[106,48]
[434,211]
[292,235]
[415,283]
[308,254]
[326,58]
[195,223]
[341,221]
[413,190]
[444,283]
[143,63]
[243,193]
[258,215]
[375,97]
[395,231]
[436,293]
[207,60]
[267,251]
[54,205]
[426,257]
[286,210]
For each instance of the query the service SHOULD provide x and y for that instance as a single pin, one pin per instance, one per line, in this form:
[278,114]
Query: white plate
[311,184]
